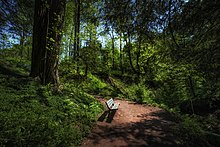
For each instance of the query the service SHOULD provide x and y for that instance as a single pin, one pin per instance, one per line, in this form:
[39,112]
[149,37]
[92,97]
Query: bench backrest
[110,103]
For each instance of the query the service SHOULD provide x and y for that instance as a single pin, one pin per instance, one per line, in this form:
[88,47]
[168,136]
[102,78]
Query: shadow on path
[153,129]
[107,115]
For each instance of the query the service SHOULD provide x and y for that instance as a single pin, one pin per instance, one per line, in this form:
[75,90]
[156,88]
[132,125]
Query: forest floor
[133,125]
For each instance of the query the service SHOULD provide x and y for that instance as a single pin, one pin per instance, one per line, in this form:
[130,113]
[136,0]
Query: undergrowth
[97,86]
[32,115]
[193,130]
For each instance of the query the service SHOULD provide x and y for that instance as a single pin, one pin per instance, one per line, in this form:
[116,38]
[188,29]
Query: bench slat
[110,102]
[115,107]
[111,105]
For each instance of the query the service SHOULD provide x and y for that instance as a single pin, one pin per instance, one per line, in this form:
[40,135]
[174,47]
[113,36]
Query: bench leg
[110,116]
[109,112]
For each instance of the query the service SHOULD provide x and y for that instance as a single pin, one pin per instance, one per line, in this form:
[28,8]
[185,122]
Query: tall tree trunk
[192,91]
[137,58]
[57,11]
[120,48]
[40,30]
[22,39]
[86,69]
[78,35]
[77,32]
[170,26]
[113,50]
[48,23]
[129,55]
[70,44]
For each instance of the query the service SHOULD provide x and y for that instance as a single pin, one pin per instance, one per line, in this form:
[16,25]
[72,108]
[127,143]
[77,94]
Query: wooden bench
[112,105]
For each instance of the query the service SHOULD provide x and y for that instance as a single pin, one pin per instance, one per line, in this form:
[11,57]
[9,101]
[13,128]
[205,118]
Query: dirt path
[133,125]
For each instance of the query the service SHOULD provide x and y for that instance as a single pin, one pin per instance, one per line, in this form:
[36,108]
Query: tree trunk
[170,26]
[70,44]
[78,35]
[113,50]
[86,70]
[77,32]
[40,30]
[192,90]
[120,48]
[129,54]
[22,39]
[137,58]
[48,23]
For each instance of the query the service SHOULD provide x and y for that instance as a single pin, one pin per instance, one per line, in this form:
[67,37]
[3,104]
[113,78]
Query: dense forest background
[55,55]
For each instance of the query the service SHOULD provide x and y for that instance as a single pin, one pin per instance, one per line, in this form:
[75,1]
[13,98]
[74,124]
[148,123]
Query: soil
[133,125]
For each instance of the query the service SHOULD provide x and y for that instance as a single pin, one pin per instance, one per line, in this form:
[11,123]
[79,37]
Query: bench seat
[112,105]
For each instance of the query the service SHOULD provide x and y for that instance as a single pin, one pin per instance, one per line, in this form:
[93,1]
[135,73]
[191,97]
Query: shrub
[95,85]
[140,93]
[191,132]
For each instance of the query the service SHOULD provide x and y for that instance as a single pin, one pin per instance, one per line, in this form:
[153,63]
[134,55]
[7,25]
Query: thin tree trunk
[78,35]
[22,38]
[70,44]
[75,31]
[192,92]
[86,70]
[170,27]
[113,50]
[120,48]
[129,54]
[137,58]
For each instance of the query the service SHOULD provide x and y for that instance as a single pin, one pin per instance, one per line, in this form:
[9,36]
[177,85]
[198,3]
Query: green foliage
[173,86]
[31,115]
[90,56]
[191,132]
[30,123]
[92,84]
[15,64]
[67,70]
[95,85]
[140,93]
[135,92]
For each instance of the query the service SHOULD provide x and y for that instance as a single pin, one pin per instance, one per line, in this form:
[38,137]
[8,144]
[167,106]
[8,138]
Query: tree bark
[76,31]
[47,34]
[70,44]
[40,30]
[137,58]
[129,54]
[120,48]
[22,39]
[169,24]
[78,35]
[192,90]
[113,50]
